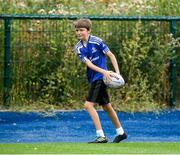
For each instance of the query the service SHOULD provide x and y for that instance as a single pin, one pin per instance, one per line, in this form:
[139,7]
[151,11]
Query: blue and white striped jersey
[94,51]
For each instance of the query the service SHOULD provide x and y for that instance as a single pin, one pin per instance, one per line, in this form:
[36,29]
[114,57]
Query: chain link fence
[43,66]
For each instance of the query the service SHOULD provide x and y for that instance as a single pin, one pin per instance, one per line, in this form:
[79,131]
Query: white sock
[100,133]
[119,131]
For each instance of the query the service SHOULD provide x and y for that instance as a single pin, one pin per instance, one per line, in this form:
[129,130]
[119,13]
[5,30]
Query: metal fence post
[7,55]
[173,66]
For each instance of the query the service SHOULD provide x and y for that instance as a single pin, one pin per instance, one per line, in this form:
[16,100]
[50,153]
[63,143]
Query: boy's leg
[89,106]
[121,135]
[112,114]
[95,90]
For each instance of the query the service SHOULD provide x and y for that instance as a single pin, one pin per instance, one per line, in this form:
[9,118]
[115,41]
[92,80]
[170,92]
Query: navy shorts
[98,93]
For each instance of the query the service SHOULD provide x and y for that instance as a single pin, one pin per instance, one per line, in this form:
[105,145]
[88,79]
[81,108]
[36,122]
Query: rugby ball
[116,81]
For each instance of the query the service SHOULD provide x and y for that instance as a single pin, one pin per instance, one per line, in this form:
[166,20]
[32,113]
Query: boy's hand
[107,74]
[118,72]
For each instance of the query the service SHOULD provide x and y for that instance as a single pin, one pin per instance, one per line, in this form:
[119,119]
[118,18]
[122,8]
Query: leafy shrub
[145,67]
[92,7]
[46,71]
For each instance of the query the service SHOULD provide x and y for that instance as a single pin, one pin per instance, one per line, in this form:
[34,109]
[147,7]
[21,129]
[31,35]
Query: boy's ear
[89,31]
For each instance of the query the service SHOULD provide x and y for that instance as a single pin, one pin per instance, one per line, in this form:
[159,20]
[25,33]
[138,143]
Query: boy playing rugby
[93,51]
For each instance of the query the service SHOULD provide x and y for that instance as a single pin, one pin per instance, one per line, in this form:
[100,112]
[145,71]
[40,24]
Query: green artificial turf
[84,148]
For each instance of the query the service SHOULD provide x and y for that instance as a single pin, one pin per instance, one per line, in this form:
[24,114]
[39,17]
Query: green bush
[145,66]
[1,58]
[46,73]
[92,7]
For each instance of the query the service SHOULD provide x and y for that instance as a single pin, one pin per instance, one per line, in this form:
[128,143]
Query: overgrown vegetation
[46,74]
[93,7]
[145,65]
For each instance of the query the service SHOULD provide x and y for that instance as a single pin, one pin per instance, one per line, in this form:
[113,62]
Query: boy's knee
[88,105]
[107,107]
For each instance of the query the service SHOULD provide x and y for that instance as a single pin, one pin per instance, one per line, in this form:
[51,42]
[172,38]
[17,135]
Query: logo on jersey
[94,50]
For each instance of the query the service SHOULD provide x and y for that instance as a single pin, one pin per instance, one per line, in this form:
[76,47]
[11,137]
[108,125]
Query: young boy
[93,51]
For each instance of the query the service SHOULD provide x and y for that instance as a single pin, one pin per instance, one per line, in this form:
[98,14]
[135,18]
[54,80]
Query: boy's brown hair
[83,23]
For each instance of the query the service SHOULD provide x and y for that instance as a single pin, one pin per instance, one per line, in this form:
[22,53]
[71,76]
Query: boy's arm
[98,69]
[113,61]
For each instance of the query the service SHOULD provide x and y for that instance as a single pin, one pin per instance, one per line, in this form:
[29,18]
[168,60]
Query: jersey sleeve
[104,47]
[82,56]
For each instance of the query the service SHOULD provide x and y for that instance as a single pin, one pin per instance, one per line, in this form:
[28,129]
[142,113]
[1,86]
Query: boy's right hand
[106,74]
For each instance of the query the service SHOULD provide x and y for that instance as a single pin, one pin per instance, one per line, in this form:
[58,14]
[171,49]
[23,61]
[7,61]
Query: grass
[84,148]
[103,7]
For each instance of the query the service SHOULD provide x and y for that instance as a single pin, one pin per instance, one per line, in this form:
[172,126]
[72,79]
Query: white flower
[52,11]
[42,11]
[88,1]
[30,29]
[21,4]
[59,6]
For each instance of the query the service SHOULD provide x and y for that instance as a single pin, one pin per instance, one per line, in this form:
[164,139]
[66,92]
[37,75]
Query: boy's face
[82,33]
